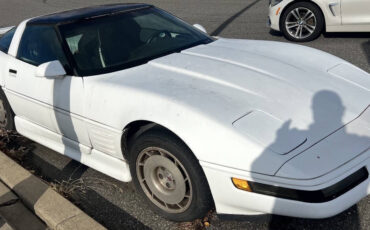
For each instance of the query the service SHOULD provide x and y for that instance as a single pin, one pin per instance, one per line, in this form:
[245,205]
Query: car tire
[6,113]
[167,174]
[302,22]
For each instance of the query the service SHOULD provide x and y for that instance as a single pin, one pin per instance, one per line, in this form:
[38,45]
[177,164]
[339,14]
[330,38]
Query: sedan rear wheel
[167,174]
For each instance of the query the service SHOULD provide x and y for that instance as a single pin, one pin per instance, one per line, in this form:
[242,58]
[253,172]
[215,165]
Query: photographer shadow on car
[311,160]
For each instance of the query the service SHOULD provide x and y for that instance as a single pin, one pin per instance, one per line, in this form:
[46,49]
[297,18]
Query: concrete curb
[56,211]
[12,209]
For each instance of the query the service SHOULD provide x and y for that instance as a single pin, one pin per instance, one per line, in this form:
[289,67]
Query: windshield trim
[145,60]
[142,61]
[88,17]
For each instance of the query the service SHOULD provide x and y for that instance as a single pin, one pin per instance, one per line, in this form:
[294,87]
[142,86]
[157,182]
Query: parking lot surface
[115,204]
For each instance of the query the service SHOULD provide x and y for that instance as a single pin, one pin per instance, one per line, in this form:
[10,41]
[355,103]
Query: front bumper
[230,200]
[275,14]
[274,17]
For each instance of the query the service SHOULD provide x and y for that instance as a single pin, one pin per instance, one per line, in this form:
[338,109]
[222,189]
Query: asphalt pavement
[244,19]
[115,204]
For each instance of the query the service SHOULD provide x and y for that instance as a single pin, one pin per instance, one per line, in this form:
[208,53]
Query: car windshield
[114,42]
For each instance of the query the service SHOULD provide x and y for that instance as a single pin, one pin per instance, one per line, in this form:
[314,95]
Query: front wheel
[302,22]
[167,174]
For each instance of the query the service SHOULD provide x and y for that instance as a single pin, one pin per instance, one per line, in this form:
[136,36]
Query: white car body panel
[355,12]
[209,108]
[13,49]
[188,95]
[26,87]
[41,102]
[340,15]
[117,168]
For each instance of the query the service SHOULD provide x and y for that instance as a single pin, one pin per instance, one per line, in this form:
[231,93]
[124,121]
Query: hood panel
[207,89]
[287,81]
[255,124]
[339,148]
[346,72]
[290,83]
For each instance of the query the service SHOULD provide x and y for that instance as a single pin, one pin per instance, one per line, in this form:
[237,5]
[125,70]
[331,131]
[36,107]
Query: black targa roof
[87,12]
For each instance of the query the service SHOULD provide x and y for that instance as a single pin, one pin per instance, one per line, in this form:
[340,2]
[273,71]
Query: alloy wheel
[300,23]
[164,180]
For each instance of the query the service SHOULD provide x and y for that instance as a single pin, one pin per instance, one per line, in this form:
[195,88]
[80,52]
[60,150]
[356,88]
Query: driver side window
[40,44]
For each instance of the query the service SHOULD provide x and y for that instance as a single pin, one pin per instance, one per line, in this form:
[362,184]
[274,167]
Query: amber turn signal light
[277,12]
[241,184]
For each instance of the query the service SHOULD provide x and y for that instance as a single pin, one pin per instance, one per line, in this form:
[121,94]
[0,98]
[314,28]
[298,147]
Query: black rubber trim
[13,71]
[74,15]
[318,196]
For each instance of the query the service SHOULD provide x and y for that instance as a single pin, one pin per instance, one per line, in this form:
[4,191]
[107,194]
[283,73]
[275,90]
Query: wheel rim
[3,115]
[164,180]
[300,23]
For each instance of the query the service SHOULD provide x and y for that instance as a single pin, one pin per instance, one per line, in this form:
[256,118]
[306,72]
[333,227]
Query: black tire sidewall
[320,20]
[202,200]
[10,115]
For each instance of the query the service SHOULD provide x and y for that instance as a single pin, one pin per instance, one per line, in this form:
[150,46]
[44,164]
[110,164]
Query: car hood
[284,97]
[292,96]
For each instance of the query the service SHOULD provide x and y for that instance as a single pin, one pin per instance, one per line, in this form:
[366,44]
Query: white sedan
[248,126]
[305,20]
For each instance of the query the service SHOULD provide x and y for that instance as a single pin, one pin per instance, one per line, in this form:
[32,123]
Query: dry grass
[14,145]
[76,189]
[70,189]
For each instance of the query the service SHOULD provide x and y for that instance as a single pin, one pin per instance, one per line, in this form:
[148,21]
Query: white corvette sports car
[248,126]
[305,20]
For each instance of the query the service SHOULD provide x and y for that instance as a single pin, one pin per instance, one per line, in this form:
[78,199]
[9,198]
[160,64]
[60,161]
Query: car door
[56,104]
[355,12]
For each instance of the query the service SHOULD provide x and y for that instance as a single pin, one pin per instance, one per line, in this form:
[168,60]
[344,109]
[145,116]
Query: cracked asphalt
[115,204]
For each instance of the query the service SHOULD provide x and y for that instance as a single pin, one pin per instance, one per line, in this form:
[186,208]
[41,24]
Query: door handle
[12,71]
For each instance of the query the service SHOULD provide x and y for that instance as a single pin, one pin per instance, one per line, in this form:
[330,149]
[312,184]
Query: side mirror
[200,27]
[51,69]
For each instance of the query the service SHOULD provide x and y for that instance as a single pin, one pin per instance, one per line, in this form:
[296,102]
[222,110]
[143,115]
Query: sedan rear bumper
[230,200]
